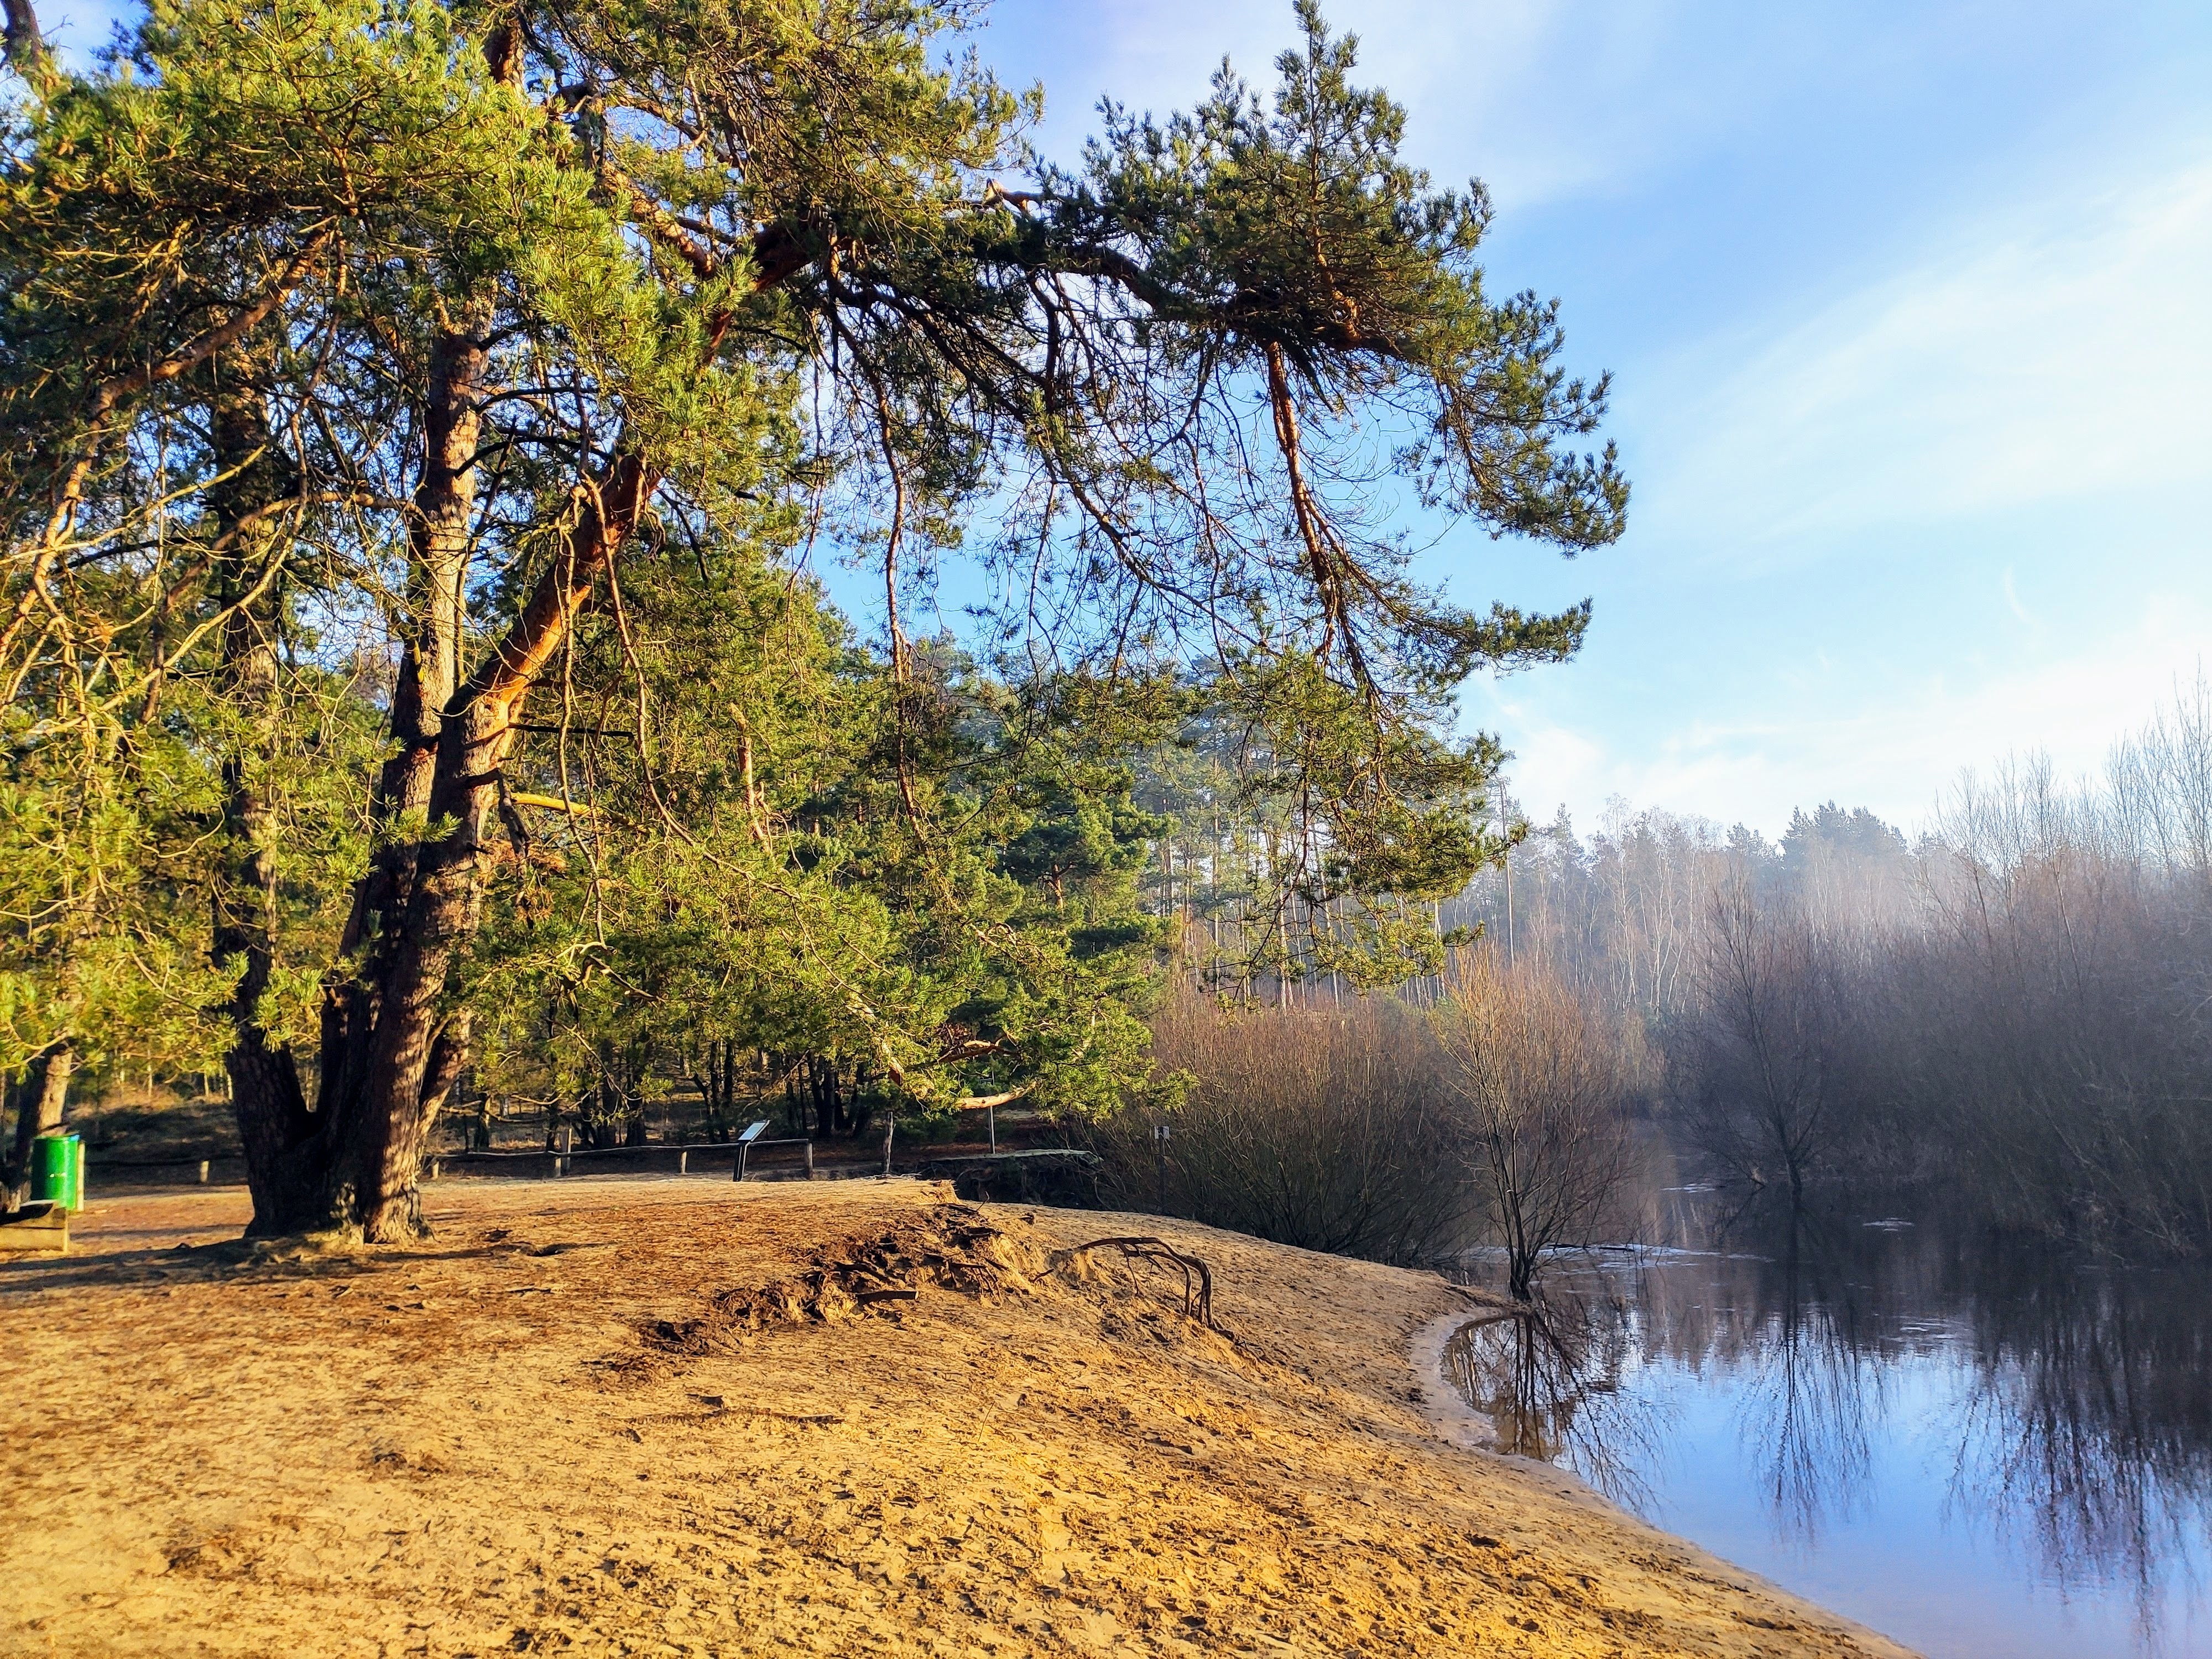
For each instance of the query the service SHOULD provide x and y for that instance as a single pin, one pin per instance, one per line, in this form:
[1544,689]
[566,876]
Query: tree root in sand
[1197,1276]
[949,1248]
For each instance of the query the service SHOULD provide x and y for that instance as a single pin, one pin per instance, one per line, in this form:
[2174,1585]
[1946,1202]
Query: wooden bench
[41,1229]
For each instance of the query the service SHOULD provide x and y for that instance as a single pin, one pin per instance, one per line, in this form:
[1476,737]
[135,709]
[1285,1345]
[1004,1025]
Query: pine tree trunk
[328,1166]
[391,1043]
[39,1113]
[284,1157]
[381,1128]
[407,1042]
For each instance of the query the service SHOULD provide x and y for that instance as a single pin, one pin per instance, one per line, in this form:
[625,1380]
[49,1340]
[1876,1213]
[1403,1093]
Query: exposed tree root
[1197,1276]
[951,1248]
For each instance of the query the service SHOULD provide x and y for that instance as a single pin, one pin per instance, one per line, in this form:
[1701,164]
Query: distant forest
[2010,1007]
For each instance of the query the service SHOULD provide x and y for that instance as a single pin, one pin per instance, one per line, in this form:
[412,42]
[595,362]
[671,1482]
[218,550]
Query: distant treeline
[2011,1008]
[2013,1005]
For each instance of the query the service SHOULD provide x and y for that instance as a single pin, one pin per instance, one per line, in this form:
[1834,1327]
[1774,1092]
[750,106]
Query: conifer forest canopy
[423,422]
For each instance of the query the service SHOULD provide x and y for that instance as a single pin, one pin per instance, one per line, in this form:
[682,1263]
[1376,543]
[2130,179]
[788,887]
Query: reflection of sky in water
[1981,1457]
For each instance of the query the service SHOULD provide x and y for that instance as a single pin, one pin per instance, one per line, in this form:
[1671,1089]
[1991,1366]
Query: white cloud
[2054,351]
[1892,747]
[1551,763]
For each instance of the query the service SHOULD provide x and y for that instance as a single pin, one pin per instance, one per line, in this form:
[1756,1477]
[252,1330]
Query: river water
[1984,1449]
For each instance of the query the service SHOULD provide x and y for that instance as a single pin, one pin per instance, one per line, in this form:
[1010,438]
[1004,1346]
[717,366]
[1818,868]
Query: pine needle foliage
[414,414]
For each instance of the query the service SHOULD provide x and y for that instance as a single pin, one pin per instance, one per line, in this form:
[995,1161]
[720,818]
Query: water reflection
[1881,1406]
[1803,1330]
[1548,1380]
[2090,1407]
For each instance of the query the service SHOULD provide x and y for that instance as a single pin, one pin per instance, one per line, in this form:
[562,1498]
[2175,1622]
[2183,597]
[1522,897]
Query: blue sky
[1907,308]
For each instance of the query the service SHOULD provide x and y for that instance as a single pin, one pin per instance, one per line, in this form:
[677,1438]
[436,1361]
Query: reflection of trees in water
[2086,1421]
[1806,1421]
[1548,1380]
[1810,1328]
[1785,1315]
[2089,1420]
[2085,1432]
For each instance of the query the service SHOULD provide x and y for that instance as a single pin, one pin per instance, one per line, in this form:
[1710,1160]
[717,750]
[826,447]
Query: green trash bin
[57,1171]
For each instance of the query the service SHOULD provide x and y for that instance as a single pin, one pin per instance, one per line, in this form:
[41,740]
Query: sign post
[753,1133]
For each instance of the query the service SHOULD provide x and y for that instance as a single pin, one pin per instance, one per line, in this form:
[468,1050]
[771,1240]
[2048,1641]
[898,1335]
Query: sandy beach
[583,1419]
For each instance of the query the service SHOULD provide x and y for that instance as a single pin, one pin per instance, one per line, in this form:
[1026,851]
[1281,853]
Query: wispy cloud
[1891,745]
[1546,97]
[2060,350]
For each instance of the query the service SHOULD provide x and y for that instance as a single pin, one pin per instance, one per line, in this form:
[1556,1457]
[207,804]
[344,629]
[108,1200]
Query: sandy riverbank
[478,1447]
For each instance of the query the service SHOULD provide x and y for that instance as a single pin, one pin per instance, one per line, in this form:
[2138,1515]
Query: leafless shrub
[1761,1057]
[1321,1126]
[1537,1084]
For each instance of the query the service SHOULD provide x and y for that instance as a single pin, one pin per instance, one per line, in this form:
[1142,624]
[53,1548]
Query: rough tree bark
[399,1063]
[310,1169]
[391,1046]
[360,1176]
[274,1127]
[39,1113]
